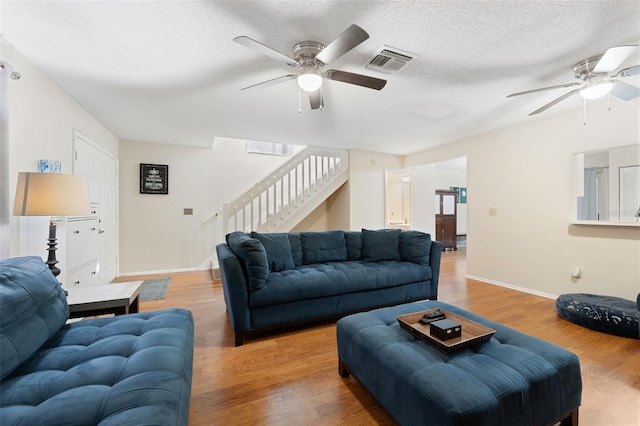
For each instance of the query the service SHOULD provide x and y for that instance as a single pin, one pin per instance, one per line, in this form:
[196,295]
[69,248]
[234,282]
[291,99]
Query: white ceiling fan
[310,57]
[597,78]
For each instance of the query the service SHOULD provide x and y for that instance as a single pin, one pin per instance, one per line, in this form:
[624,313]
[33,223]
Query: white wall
[366,188]
[41,122]
[525,173]
[155,235]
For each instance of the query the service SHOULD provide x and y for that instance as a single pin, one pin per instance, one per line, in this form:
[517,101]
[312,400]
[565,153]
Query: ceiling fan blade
[315,98]
[350,38]
[553,102]
[576,83]
[625,91]
[271,82]
[265,50]
[635,70]
[613,57]
[357,79]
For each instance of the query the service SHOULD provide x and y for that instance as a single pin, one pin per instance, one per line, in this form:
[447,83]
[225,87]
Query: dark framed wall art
[154,179]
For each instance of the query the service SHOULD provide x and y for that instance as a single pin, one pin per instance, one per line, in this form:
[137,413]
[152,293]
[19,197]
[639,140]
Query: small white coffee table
[92,300]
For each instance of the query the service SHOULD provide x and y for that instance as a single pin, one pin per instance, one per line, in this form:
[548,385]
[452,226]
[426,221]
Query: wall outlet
[493,211]
[188,211]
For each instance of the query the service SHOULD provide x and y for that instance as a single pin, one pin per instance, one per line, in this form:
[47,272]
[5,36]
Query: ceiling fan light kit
[309,80]
[596,87]
[310,57]
[597,78]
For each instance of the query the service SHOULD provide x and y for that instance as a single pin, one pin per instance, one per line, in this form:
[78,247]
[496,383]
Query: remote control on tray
[429,317]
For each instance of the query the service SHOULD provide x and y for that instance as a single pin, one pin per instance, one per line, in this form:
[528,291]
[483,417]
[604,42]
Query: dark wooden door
[446,218]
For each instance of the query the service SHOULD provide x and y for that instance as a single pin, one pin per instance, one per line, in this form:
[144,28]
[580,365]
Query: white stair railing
[273,200]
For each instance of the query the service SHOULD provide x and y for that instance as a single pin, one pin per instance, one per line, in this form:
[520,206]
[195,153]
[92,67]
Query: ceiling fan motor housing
[585,67]
[305,53]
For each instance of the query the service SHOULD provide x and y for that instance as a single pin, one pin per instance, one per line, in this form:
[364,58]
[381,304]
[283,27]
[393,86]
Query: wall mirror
[608,186]
[398,199]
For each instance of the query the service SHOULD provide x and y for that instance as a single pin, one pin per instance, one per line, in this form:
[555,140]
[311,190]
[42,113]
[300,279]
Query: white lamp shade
[51,194]
[596,88]
[309,80]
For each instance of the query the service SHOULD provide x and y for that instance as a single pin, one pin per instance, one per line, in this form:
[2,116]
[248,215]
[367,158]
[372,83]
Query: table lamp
[51,194]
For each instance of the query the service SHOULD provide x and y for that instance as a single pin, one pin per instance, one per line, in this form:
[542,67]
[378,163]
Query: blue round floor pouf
[608,314]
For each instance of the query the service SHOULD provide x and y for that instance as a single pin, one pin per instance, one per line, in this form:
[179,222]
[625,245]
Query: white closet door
[101,170]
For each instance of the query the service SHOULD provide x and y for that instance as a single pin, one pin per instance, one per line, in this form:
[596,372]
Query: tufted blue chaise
[130,369]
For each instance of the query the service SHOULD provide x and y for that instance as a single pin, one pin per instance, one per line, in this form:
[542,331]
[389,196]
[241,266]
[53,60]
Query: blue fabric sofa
[280,279]
[130,369]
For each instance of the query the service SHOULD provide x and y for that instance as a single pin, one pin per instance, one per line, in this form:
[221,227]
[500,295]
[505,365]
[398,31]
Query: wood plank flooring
[291,377]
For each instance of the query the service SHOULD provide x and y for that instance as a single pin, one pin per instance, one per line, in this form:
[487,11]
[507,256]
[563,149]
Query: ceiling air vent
[389,60]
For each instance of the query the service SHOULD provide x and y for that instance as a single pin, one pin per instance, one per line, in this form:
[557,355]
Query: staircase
[288,194]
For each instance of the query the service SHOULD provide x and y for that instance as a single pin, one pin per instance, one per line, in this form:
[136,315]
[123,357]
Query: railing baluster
[288,187]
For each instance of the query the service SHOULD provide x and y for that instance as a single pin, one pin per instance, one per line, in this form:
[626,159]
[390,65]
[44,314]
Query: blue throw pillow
[354,244]
[322,247]
[252,252]
[278,250]
[415,246]
[381,244]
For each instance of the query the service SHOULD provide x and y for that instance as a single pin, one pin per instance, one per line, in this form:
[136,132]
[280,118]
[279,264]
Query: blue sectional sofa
[130,369]
[280,279]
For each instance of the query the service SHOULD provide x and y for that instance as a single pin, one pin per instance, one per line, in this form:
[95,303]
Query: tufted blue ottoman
[513,379]
[608,314]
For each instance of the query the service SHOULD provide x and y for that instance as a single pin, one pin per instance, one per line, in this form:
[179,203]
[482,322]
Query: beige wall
[333,213]
[41,122]
[155,235]
[525,173]
[366,188]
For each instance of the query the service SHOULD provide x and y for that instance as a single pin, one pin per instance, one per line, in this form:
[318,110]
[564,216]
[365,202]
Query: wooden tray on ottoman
[473,333]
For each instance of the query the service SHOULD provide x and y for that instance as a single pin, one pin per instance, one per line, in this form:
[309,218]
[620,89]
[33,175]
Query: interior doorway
[451,175]
[399,199]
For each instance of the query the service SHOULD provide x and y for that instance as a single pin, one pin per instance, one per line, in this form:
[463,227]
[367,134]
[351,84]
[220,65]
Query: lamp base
[51,260]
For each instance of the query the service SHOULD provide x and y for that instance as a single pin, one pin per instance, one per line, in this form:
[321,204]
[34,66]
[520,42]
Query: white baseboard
[513,287]
[164,271]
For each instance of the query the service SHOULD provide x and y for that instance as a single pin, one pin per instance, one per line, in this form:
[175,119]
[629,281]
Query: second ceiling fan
[310,57]
[597,78]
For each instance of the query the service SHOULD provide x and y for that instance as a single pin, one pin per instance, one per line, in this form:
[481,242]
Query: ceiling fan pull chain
[584,112]
[609,101]
[299,101]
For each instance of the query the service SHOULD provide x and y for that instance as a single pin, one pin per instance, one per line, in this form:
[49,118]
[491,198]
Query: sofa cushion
[124,370]
[296,247]
[415,247]
[308,282]
[321,247]
[353,239]
[381,244]
[278,250]
[33,307]
[252,252]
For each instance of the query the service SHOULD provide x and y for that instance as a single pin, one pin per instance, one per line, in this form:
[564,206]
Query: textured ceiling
[169,71]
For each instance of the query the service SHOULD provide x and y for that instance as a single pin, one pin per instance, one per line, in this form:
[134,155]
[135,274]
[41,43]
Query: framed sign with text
[154,179]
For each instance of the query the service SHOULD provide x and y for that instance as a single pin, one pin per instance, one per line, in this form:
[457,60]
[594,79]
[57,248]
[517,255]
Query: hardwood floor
[291,377]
